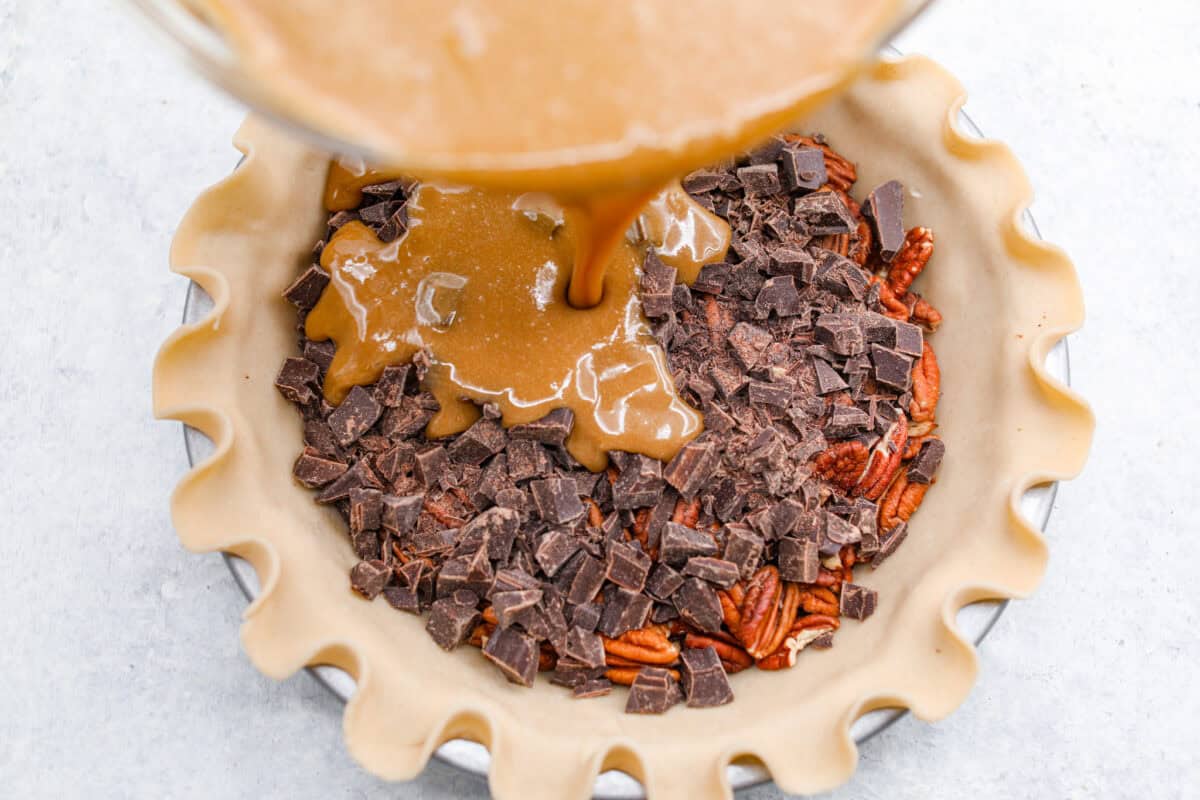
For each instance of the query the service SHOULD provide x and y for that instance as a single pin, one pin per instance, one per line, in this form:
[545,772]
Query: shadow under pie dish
[1019,297]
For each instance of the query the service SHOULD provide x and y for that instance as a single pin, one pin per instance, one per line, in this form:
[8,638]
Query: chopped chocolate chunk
[888,543]
[929,458]
[452,576]
[315,472]
[320,353]
[841,276]
[828,381]
[451,622]
[823,642]
[824,213]
[297,379]
[712,279]
[358,412]
[794,262]
[658,306]
[654,691]
[430,543]
[358,476]
[499,529]
[885,209]
[703,181]
[838,533]
[624,611]
[907,339]
[552,429]
[692,467]
[698,605]
[784,518]
[845,421]
[705,683]
[799,561]
[365,544]
[857,602]
[743,548]
[593,687]
[679,543]
[748,343]
[510,604]
[399,515]
[585,647]
[778,394]
[802,169]
[716,571]
[555,549]
[766,153]
[407,419]
[369,577]
[627,566]
[366,509]
[557,500]
[891,368]
[878,329]
[728,383]
[306,290]
[587,581]
[759,179]
[515,653]
[639,484]
[663,582]
[396,225]
[403,598]
[840,333]
[479,442]
[432,467]
[779,295]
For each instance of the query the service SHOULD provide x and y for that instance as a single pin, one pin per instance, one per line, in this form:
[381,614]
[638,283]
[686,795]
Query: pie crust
[1007,299]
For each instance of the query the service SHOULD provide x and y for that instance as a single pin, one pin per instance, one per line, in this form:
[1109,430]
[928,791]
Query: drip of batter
[480,282]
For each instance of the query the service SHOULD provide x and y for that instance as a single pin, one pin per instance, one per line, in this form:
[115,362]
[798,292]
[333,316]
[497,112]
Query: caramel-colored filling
[480,281]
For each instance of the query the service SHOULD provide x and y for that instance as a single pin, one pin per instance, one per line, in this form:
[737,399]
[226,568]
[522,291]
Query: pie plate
[1009,421]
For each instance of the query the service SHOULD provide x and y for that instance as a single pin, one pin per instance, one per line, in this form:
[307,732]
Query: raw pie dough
[1006,299]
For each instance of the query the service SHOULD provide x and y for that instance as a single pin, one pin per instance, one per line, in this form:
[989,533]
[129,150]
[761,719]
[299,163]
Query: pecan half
[926,386]
[731,611]
[885,460]
[860,248]
[925,315]
[686,513]
[803,633]
[893,305]
[901,502]
[760,609]
[842,464]
[649,646]
[624,676]
[732,656]
[818,600]
[547,657]
[911,260]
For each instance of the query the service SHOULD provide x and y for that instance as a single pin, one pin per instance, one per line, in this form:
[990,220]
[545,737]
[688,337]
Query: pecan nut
[646,646]
[910,261]
[925,315]
[885,461]
[760,609]
[901,502]
[842,464]
[803,633]
[926,386]
[819,600]
[624,676]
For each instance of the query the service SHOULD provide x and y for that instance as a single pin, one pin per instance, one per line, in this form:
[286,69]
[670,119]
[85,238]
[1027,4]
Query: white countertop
[122,674]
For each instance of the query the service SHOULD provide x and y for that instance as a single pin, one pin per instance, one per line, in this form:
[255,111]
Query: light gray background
[120,670]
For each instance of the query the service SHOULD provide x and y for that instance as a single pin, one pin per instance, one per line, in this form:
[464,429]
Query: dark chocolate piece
[306,290]
[366,509]
[432,467]
[679,543]
[907,338]
[639,484]
[888,544]
[845,421]
[663,582]
[479,442]
[555,549]
[759,179]
[743,547]
[857,602]
[585,647]
[802,169]
[778,394]
[779,295]
[824,213]
[924,467]
[692,467]
[557,500]
[552,429]
[799,561]
[891,368]
[357,413]
[399,515]
[654,691]
[624,611]
[705,683]
[297,380]
[828,381]
[587,581]
[698,605]
[359,475]
[712,279]
[451,622]
[508,605]
[716,571]
[885,210]
[368,578]
[515,653]
[627,566]
[593,687]
[315,472]
[747,343]
[840,333]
